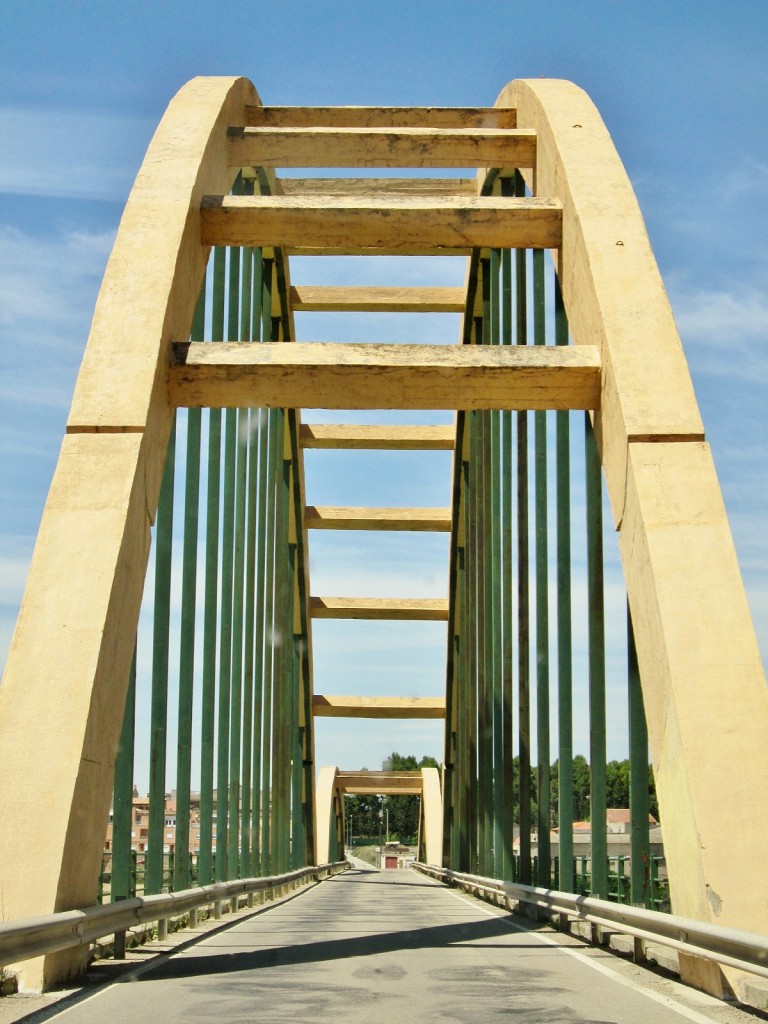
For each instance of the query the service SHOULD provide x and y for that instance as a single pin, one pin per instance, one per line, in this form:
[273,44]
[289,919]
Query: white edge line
[657,997]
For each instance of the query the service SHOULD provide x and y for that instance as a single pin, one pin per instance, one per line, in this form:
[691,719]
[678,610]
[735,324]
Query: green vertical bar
[282,631]
[542,593]
[259,638]
[257,506]
[250,426]
[267,772]
[462,818]
[501,796]
[241,480]
[236,692]
[470,559]
[246,831]
[227,583]
[153,881]
[461,811]
[597,741]
[251,724]
[259,654]
[122,818]
[468,722]
[210,614]
[182,877]
[639,804]
[228,657]
[269,583]
[523,617]
[264,574]
[240,327]
[454,810]
[485,599]
[566,880]
[296,774]
[293,752]
[293,738]
[486,612]
[507,472]
[508,739]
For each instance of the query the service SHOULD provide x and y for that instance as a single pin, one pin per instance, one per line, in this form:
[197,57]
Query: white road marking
[668,1001]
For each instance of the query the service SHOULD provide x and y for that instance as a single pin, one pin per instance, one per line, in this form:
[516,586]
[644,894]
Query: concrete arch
[74,639]
[704,687]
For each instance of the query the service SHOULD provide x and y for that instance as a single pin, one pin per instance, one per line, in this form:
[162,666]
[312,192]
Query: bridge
[572,401]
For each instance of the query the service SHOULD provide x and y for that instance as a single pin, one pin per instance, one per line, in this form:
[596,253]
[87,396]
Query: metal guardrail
[744,951]
[34,936]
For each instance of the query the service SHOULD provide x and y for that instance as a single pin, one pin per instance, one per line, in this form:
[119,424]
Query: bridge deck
[385,947]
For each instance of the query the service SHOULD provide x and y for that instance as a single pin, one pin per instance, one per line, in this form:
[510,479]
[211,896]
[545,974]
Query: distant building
[618,828]
[140,824]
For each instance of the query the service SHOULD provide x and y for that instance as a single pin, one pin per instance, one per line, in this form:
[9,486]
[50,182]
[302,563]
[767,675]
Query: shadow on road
[332,949]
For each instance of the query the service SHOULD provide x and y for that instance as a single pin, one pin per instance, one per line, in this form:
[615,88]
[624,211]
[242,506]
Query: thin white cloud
[13,569]
[42,280]
[746,179]
[48,287]
[716,317]
[15,553]
[73,154]
[725,332]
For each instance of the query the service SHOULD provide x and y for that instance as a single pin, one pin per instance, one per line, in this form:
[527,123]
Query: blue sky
[683,90]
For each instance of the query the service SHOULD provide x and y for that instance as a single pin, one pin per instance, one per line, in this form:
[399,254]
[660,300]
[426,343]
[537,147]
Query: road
[383,948]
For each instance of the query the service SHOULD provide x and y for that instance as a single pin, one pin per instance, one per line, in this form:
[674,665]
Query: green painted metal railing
[229,621]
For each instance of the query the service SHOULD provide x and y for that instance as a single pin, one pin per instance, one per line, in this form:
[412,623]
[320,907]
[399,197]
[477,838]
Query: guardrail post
[162,929]
[217,909]
[193,918]
[119,945]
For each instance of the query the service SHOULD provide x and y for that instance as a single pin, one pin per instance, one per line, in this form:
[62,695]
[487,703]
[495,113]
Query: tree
[617,783]
[617,787]
[364,811]
[581,788]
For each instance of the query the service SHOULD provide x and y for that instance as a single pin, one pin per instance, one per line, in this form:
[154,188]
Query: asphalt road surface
[387,947]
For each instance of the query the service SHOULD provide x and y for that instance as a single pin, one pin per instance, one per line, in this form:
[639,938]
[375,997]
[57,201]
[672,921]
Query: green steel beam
[206,871]
[507,472]
[471,558]
[566,880]
[259,450]
[596,627]
[153,879]
[485,598]
[223,780]
[181,874]
[542,593]
[639,802]
[283,632]
[523,615]
[238,627]
[269,576]
[500,795]
[122,817]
